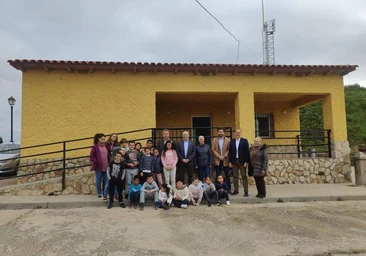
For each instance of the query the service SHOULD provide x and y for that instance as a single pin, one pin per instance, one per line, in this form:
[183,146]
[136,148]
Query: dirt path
[324,228]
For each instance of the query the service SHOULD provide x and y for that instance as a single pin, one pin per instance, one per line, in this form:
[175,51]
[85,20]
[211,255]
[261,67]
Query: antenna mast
[268,40]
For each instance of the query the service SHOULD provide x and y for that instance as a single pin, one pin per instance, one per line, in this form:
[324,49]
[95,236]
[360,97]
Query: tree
[311,116]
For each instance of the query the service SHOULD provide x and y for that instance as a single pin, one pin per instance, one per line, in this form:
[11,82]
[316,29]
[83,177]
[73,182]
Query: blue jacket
[134,188]
[146,163]
[157,167]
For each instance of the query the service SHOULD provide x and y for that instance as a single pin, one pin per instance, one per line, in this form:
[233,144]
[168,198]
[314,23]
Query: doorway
[202,126]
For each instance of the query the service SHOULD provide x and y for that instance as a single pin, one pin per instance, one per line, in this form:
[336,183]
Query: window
[264,125]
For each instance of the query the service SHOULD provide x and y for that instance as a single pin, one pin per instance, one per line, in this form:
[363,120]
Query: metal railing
[306,142]
[302,141]
[61,155]
[176,133]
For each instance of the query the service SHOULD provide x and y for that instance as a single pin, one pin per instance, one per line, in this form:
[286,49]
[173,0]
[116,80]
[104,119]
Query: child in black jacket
[221,189]
[157,168]
[116,174]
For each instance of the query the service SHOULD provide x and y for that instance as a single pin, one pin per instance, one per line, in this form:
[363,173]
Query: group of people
[158,173]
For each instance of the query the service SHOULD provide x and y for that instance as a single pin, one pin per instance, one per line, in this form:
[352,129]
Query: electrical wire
[236,39]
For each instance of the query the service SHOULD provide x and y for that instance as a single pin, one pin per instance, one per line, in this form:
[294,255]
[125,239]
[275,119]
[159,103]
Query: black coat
[160,145]
[243,151]
[191,152]
[203,155]
[260,162]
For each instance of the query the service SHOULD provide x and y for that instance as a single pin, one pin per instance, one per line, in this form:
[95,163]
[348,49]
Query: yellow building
[65,100]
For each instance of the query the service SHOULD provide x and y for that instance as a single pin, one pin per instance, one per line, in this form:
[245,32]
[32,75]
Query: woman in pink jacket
[169,159]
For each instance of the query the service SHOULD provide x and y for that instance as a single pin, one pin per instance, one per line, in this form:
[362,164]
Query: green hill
[311,116]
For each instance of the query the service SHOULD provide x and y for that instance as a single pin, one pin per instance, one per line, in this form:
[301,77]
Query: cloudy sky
[307,32]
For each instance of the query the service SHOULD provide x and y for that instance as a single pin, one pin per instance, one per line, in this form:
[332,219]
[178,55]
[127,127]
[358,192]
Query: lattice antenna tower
[268,32]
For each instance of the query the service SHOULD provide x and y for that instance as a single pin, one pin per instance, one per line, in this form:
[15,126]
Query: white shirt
[221,144]
[237,147]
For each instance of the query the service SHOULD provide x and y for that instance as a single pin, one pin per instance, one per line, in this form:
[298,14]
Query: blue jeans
[178,203]
[102,177]
[134,197]
[227,175]
[203,172]
[161,204]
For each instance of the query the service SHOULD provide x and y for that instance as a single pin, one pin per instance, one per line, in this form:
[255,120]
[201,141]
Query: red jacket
[96,158]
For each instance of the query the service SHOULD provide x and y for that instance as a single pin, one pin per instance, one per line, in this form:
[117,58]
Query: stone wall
[317,170]
[75,184]
[278,152]
[340,149]
[283,169]
[74,165]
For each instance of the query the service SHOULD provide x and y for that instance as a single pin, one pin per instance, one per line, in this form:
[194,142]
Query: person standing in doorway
[220,149]
[186,151]
[239,159]
[132,168]
[161,143]
[99,156]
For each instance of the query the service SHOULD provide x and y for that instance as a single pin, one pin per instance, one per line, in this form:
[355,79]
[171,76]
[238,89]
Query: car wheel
[15,171]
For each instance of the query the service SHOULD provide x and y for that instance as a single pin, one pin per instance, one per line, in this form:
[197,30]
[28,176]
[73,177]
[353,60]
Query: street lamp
[11,101]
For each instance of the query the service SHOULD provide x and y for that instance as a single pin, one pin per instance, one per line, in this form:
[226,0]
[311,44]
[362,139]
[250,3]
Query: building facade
[63,100]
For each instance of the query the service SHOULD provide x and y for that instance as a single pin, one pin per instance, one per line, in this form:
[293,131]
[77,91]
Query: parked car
[9,160]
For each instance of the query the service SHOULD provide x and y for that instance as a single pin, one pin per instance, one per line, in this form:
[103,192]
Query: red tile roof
[197,68]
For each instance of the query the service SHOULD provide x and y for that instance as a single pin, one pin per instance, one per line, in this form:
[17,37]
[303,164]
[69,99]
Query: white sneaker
[228,203]
[184,206]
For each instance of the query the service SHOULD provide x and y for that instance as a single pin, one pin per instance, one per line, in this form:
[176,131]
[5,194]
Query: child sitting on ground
[221,189]
[195,192]
[181,196]
[146,165]
[134,192]
[209,191]
[165,196]
[149,190]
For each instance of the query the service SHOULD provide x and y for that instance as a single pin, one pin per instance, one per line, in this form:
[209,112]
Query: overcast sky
[307,32]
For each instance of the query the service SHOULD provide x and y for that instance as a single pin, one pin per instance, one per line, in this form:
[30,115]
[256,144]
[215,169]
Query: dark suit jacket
[243,151]
[160,145]
[191,153]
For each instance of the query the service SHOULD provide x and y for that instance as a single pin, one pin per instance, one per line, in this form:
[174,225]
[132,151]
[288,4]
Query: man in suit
[161,143]
[239,159]
[186,151]
[220,150]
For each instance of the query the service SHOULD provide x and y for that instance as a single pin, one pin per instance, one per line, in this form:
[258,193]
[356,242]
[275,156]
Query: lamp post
[11,101]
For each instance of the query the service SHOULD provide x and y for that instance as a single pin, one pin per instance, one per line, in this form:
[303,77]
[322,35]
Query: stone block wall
[74,165]
[317,170]
[75,184]
[286,169]
[340,149]
[278,152]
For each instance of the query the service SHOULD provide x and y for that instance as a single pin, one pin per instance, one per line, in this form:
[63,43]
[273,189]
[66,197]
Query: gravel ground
[323,228]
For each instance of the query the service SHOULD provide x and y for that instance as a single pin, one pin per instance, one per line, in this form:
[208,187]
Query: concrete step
[275,194]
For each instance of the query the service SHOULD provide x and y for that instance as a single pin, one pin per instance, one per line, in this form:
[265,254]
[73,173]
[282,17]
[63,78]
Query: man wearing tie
[238,160]
[186,151]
